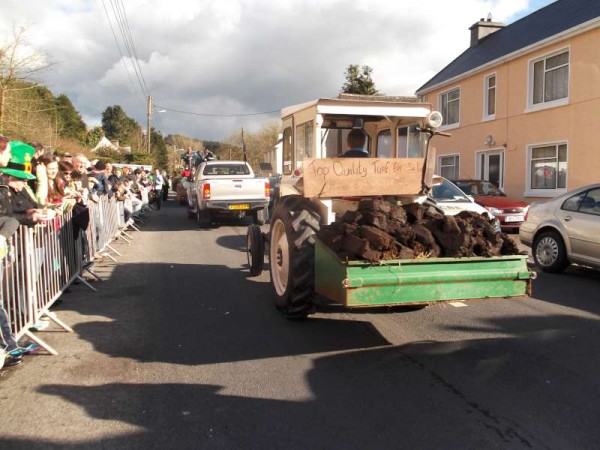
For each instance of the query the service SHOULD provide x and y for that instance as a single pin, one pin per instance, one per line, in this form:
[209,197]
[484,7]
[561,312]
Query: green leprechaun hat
[19,165]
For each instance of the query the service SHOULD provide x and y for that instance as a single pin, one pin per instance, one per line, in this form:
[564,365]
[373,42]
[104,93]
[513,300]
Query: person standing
[158,185]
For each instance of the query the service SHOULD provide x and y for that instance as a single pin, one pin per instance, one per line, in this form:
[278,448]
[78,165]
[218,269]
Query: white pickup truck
[227,188]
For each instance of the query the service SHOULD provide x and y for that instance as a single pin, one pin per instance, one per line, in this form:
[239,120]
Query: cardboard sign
[347,177]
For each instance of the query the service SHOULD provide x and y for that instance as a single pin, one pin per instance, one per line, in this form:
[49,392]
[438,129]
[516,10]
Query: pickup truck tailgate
[236,189]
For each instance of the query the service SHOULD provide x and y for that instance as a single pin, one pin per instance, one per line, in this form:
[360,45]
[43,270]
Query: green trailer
[360,284]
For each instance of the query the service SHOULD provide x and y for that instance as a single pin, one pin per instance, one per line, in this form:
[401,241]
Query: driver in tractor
[356,142]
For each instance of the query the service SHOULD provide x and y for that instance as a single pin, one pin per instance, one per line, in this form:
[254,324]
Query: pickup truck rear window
[226,169]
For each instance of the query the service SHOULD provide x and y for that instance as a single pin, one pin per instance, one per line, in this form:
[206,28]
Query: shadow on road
[482,393]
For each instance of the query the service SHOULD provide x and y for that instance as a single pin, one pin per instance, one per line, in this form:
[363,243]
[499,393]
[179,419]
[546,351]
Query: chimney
[483,28]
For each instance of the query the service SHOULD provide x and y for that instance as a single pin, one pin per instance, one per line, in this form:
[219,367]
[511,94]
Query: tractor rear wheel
[292,255]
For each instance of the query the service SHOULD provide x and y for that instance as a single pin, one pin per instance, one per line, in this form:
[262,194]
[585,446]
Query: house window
[548,167]
[550,79]
[449,166]
[450,105]
[490,97]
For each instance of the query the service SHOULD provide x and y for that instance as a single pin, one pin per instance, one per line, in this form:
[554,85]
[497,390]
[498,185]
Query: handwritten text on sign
[340,177]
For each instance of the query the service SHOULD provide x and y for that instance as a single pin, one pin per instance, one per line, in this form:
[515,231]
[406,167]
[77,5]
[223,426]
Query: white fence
[42,261]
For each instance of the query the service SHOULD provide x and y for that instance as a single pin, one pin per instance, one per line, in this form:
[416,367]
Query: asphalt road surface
[181,350]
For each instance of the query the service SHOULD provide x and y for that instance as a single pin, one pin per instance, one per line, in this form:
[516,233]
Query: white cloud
[241,56]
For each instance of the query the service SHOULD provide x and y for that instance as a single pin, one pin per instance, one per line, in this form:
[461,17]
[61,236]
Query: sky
[211,66]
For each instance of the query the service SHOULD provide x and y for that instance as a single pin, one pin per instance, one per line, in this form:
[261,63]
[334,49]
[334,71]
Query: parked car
[452,200]
[565,230]
[509,211]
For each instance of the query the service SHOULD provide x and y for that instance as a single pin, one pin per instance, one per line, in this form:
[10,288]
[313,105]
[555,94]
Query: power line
[127,37]
[217,115]
[120,50]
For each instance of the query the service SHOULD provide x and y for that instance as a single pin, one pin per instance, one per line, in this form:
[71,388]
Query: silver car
[565,230]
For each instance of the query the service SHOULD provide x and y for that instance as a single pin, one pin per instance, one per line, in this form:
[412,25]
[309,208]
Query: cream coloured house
[522,103]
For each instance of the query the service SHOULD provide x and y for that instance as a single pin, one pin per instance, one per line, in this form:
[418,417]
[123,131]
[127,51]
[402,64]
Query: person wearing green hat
[8,225]
[23,206]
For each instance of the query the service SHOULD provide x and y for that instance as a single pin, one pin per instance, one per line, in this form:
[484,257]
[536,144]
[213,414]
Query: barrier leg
[113,250]
[40,342]
[84,281]
[132,225]
[123,236]
[57,321]
[108,255]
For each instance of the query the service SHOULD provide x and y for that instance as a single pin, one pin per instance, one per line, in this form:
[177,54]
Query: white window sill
[488,118]
[547,105]
[544,193]
[449,126]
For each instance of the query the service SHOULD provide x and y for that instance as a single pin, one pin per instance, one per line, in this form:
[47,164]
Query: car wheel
[549,252]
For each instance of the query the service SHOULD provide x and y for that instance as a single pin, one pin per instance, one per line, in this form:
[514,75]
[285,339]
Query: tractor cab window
[304,141]
[287,151]
[384,144]
[333,142]
[411,142]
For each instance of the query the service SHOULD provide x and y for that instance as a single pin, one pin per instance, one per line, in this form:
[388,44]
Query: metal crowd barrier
[42,262]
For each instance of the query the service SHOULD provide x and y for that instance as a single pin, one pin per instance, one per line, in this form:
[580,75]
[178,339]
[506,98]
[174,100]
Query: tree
[119,126]
[256,144]
[159,150]
[70,123]
[16,67]
[93,136]
[358,81]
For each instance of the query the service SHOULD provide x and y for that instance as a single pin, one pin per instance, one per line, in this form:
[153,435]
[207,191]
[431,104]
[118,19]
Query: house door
[491,167]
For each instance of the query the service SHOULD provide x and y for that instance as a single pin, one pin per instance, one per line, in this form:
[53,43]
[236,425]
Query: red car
[510,211]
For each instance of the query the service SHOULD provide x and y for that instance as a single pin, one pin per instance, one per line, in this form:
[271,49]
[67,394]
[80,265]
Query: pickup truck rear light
[267,189]
[206,191]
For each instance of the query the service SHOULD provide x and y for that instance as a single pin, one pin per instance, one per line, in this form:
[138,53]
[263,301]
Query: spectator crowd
[38,187]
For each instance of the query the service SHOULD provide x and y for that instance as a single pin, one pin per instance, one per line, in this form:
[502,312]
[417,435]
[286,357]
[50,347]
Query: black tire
[549,252]
[255,250]
[292,256]
[204,218]
[258,216]
[190,214]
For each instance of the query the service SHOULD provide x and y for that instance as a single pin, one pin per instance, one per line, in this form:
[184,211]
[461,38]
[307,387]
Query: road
[180,349]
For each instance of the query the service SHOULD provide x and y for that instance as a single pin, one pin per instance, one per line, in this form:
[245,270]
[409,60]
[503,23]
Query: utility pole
[149,123]
[244,146]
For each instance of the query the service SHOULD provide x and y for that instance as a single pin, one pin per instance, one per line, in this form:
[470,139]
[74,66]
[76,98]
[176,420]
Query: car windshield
[479,188]
[448,192]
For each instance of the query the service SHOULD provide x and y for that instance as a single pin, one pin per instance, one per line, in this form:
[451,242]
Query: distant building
[111,145]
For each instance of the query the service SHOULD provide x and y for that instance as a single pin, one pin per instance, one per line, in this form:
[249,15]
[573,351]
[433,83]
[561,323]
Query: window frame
[449,125]
[456,165]
[548,192]
[531,106]
[486,96]
[287,150]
